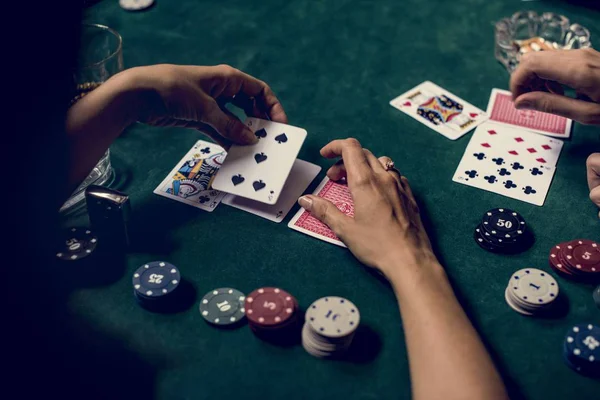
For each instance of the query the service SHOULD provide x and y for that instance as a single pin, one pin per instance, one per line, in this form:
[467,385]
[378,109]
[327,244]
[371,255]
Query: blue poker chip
[581,349]
[156,279]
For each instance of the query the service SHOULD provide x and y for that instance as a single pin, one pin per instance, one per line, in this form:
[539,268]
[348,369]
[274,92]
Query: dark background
[334,66]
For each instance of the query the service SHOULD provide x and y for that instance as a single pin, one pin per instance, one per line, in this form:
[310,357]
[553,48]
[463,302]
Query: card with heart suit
[259,172]
[442,111]
[301,176]
[502,110]
[495,170]
[336,192]
[190,180]
[526,146]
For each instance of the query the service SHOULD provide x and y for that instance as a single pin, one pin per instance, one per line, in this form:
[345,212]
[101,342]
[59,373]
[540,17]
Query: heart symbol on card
[261,133]
[281,138]
[237,179]
[473,115]
[260,157]
[407,104]
[257,185]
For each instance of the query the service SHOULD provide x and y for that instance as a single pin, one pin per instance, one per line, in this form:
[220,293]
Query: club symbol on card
[517,166]
[261,133]
[257,185]
[260,157]
[237,179]
[509,184]
[498,161]
[529,190]
[479,156]
[281,138]
[490,179]
[205,150]
[536,171]
[503,172]
[471,174]
[203,199]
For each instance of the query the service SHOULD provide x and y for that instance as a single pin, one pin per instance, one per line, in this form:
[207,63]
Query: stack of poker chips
[77,243]
[503,231]
[329,327]
[578,259]
[581,349]
[156,284]
[272,314]
[531,292]
[223,307]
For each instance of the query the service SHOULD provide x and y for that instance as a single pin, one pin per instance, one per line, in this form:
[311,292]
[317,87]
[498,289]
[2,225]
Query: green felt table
[334,65]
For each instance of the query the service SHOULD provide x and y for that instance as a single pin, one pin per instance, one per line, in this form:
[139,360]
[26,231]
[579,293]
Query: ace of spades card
[259,172]
[190,180]
[442,111]
[488,164]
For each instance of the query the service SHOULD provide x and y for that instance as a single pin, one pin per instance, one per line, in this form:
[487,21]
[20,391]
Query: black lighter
[109,211]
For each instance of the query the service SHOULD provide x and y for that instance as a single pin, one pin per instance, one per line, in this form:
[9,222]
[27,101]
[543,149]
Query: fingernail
[524,105]
[305,202]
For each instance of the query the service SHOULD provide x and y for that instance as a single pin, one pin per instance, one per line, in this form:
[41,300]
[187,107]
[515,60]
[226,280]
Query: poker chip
[78,243]
[135,5]
[155,285]
[581,349]
[531,291]
[503,231]
[272,313]
[577,259]
[330,326]
[223,307]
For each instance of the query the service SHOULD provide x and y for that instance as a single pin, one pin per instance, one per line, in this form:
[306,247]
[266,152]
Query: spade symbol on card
[260,157]
[261,133]
[237,179]
[281,138]
[257,185]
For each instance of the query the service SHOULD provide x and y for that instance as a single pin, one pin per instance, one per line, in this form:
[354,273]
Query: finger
[355,162]
[558,66]
[373,162]
[227,125]
[409,193]
[581,111]
[595,196]
[337,171]
[326,212]
[593,170]
[385,161]
[237,82]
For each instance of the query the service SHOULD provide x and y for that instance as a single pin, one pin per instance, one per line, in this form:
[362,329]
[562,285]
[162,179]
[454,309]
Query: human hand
[593,178]
[386,226]
[195,97]
[536,83]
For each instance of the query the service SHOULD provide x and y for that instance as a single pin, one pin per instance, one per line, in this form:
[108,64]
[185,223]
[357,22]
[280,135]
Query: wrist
[130,92]
[410,267]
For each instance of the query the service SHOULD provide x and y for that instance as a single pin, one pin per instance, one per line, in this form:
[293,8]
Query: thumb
[325,211]
[229,126]
[582,111]
[595,196]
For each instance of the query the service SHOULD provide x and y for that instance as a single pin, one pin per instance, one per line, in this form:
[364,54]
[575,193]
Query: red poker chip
[269,306]
[555,259]
[583,256]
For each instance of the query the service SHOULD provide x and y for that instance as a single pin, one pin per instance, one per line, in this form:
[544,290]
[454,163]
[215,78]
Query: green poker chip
[223,306]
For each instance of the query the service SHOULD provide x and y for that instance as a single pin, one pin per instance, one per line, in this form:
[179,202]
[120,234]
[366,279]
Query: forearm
[95,121]
[446,356]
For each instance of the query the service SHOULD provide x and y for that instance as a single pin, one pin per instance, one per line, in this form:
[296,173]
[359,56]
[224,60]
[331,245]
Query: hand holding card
[259,172]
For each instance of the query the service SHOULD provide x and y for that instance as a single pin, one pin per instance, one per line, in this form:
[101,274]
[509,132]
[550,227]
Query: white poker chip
[135,5]
[333,317]
[534,286]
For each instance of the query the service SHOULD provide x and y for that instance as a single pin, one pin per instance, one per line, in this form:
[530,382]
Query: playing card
[336,192]
[259,171]
[301,175]
[526,146]
[190,180]
[499,172]
[501,109]
[440,110]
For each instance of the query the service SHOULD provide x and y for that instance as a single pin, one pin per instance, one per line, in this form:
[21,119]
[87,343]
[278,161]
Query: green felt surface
[334,65]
